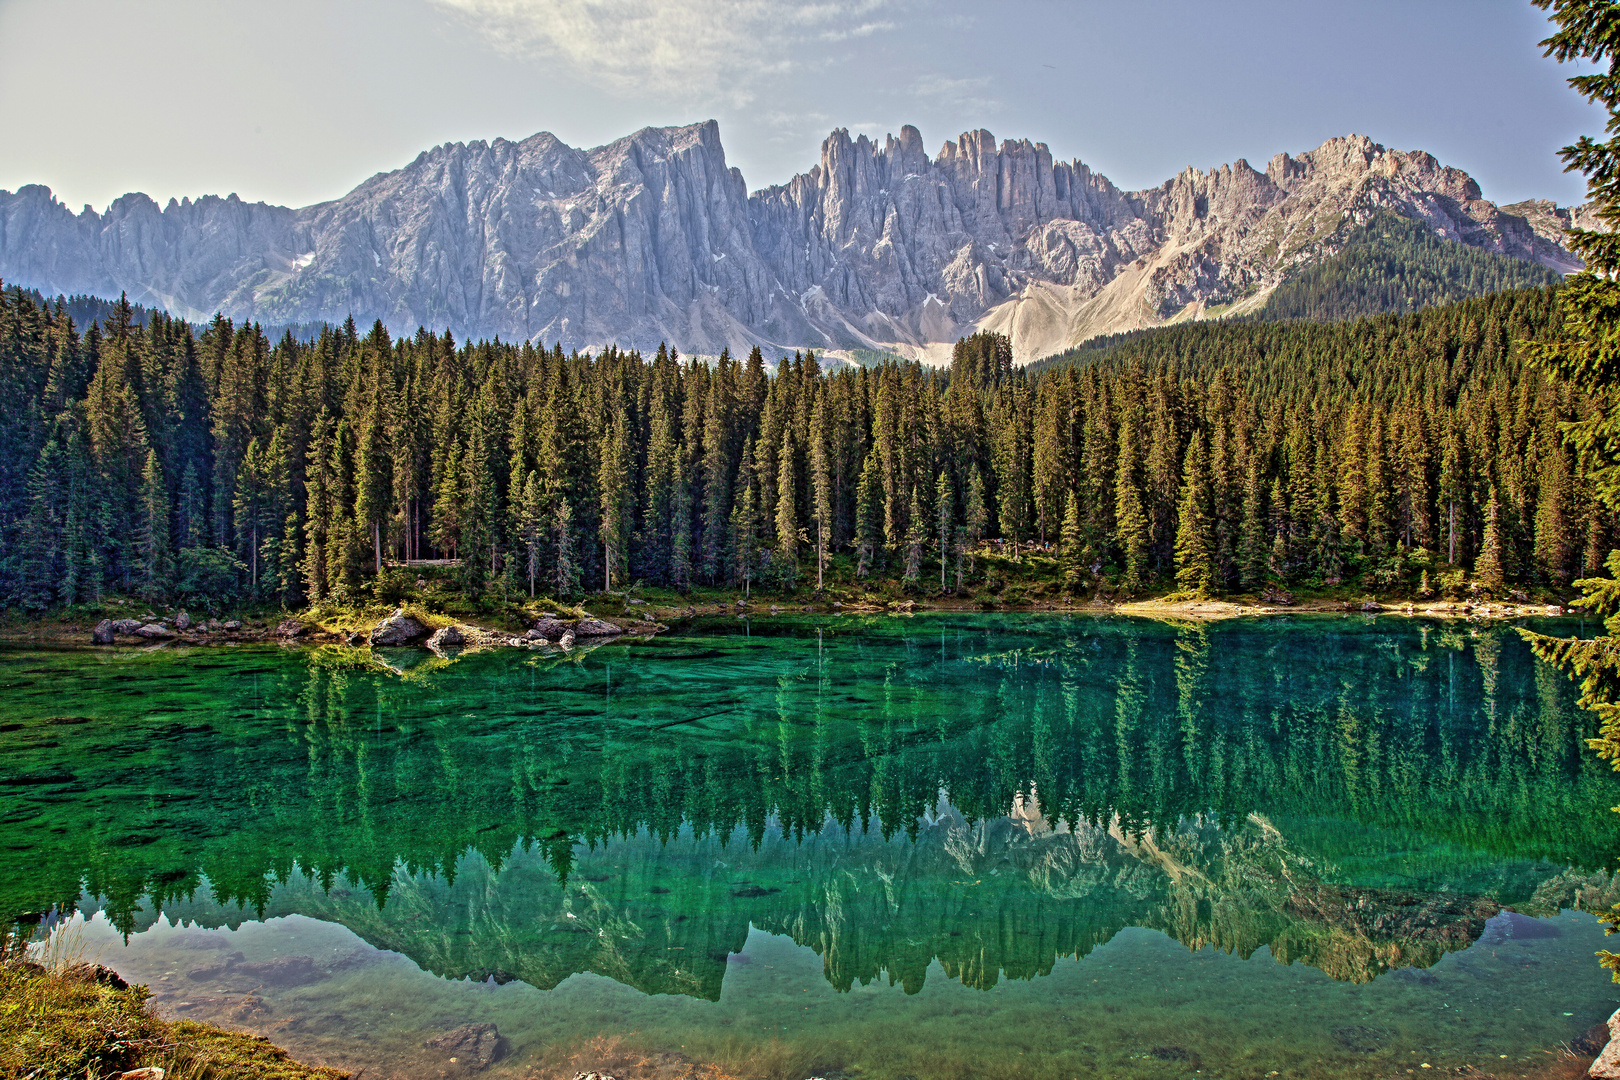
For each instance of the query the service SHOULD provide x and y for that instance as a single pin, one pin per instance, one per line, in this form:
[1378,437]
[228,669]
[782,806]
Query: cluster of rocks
[402,629]
[155,628]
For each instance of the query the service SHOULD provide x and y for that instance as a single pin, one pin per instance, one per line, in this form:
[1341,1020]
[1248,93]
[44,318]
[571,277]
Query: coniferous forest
[1404,454]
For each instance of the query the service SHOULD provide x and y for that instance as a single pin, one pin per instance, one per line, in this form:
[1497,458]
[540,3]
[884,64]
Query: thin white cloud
[694,52]
[961,93]
[863,30]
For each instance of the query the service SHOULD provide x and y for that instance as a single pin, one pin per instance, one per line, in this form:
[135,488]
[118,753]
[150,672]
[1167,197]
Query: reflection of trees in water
[1189,750]
[987,900]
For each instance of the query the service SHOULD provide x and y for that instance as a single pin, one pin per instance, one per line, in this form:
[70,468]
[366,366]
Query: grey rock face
[449,637]
[549,629]
[655,238]
[398,629]
[596,628]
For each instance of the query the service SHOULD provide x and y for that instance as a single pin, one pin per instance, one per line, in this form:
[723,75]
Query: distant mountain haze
[654,238]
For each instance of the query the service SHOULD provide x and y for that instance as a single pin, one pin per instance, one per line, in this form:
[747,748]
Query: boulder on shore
[398,629]
[182,621]
[290,628]
[103,633]
[567,640]
[596,628]
[449,637]
[550,628]
[126,626]
[154,630]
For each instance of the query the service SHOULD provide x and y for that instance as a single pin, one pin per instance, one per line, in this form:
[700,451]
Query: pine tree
[1195,568]
[869,515]
[153,541]
[821,483]
[318,509]
[916,536]
[566,569]
[944,517]
[787,517]
[1132,521]
[613,482]
[1253,550]
[374,467]
[1554,496]
[449,503]
[532,525]
[745,520]
[1489,566]
[1073,538]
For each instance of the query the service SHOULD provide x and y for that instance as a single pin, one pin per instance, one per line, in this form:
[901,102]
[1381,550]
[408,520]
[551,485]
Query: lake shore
[352,626]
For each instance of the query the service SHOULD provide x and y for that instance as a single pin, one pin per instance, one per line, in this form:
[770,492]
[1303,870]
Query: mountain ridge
[655,237]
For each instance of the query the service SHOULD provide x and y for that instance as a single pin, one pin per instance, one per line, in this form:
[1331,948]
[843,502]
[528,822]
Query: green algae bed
[1022,845]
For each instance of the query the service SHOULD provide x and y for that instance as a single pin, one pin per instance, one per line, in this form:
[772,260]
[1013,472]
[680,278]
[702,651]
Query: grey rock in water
[476,1045]
[103,633]
[449,637]
[182,621]
[126,626]
[567,640]
[655,237]
[290,628]
[596,628]
[282,971]
[398,629]
[154,630]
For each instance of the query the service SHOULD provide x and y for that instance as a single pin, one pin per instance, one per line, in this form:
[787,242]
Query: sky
[297,101]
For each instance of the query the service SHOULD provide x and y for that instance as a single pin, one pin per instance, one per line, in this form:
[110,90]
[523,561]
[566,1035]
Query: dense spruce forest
[1393,265]
[1398,453]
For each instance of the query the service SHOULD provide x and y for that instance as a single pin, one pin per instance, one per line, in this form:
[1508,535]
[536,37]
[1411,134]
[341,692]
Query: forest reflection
[992,792]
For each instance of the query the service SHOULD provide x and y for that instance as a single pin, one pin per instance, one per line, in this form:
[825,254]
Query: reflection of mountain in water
[1000,897]
[1354,796]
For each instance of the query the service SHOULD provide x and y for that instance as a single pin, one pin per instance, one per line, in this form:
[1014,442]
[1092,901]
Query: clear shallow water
[946,846]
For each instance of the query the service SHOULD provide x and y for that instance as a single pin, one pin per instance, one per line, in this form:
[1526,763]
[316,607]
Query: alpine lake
[946,846]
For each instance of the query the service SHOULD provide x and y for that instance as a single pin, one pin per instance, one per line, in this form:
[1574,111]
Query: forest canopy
[171,463]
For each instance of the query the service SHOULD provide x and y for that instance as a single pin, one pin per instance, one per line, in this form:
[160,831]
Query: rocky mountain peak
[655,237]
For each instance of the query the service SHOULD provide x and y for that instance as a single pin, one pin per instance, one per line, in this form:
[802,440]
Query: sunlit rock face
[655,238]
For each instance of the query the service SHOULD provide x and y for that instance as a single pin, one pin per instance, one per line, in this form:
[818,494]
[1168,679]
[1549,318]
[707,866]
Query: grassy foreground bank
[81,1021]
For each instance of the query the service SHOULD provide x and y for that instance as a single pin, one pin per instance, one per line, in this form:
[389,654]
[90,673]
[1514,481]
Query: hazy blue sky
[294,101]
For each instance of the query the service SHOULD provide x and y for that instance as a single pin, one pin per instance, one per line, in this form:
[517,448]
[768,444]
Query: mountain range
[655,238]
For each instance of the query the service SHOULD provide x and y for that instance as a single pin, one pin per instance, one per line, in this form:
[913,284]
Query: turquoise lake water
[946,846]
